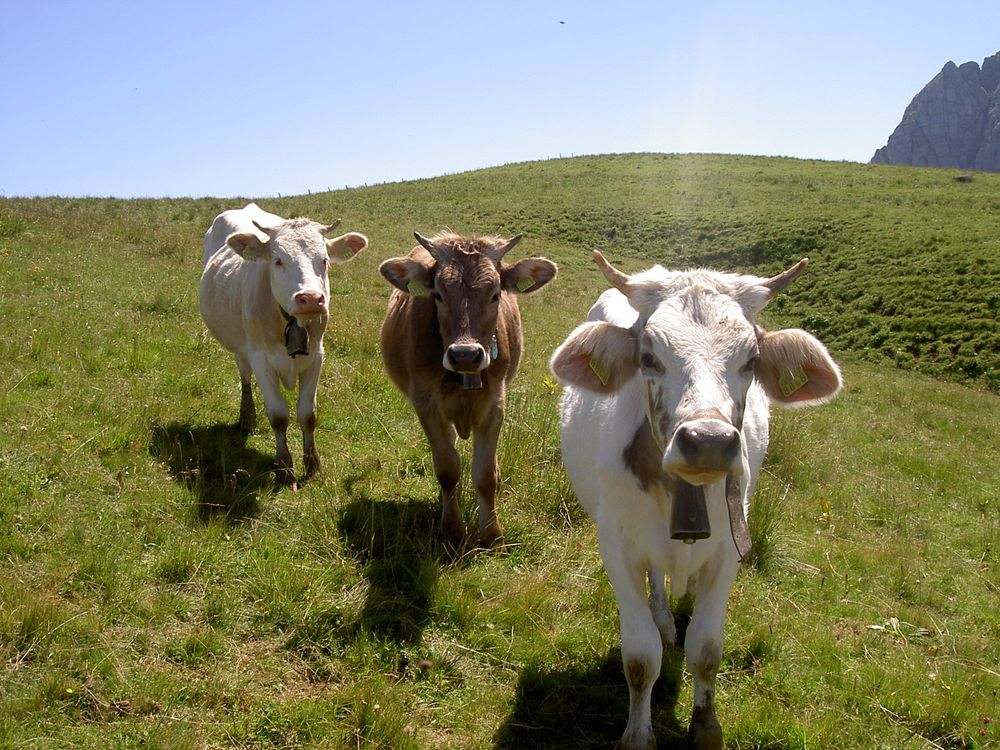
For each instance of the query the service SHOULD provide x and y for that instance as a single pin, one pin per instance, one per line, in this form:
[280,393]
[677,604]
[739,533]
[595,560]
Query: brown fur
[416,332]
[642,457]
[413,350]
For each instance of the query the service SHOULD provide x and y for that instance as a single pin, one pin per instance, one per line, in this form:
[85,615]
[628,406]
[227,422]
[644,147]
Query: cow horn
[616,278]
[329,227]
[265,230]
[779,283]
[507,247]
[426,243]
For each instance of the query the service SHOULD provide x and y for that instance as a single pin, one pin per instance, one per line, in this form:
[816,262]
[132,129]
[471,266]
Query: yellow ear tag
[416,288]
[600,371]
[525,283]
[792,380]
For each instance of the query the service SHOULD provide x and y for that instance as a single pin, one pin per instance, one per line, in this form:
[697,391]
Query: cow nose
[466,357]
[708,445]
[310,301]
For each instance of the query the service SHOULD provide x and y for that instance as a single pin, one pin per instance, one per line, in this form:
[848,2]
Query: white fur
[239,300]
[699,325]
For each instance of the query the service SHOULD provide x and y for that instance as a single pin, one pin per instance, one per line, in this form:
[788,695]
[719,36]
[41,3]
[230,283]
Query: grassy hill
[158,591]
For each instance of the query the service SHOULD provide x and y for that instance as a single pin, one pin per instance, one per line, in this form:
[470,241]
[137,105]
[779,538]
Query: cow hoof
[311,463]
[284,475]
[453,541]
[490,536]
[453,535]
[704,732]
[248,422]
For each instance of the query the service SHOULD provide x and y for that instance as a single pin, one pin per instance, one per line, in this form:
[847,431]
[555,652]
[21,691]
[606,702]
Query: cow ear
[248,245]
[528,275]
[796,369]
[597,356]
[341,249]
[408,275]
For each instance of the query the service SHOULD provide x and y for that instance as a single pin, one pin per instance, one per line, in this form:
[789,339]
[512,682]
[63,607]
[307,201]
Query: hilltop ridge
[905,266]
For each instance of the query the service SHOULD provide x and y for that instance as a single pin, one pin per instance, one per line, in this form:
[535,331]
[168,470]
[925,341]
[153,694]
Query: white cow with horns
[664,429]
[265,296]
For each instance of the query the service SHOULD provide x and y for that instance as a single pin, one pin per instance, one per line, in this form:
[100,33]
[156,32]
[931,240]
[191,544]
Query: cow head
[466,277]
[697,348]
[298,253]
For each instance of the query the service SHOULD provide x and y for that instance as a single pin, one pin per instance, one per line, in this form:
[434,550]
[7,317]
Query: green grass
[159,591]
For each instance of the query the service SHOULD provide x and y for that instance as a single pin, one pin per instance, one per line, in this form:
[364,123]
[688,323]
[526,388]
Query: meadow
[158,591]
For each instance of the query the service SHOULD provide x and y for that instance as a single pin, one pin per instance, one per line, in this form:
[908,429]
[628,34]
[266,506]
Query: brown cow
[451,342]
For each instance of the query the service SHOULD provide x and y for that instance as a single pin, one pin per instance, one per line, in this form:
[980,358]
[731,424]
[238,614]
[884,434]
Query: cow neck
[296,336]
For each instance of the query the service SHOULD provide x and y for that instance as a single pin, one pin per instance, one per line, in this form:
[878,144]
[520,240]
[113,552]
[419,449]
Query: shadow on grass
[588,707]
[225,477]
[396,540]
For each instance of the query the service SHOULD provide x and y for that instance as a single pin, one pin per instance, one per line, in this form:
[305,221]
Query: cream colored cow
[265,296]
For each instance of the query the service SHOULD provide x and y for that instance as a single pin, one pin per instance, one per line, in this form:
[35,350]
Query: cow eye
[278,263]
[649,362]
[496,297]
[750,366]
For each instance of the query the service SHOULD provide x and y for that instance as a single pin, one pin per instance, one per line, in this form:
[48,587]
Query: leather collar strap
[737,519]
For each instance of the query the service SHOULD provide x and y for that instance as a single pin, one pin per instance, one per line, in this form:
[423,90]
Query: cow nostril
[730,446]
[305,298]
[687,441]
[466,356]
[708,446]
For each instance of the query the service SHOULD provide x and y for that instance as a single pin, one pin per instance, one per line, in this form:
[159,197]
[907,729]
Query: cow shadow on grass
[396,542]
[225,477]
[587,706]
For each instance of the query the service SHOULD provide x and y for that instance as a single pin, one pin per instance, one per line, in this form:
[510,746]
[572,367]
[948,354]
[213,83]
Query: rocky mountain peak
[953,122]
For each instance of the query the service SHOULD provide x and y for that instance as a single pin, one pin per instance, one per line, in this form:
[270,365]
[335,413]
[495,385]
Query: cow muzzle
[466,358]
[469,359]
[309,302]
[704,451]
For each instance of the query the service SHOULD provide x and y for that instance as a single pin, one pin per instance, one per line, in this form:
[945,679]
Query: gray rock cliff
[953,122]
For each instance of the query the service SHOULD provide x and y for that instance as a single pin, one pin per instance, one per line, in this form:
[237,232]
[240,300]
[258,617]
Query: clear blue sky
[258,99]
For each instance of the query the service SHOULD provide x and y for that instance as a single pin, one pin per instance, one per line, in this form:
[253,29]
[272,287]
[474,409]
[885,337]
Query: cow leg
[703,652]
[277,414]
[642,649]
[248,412]
[659,605]
[306,412]
[448,470]
[486,477]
